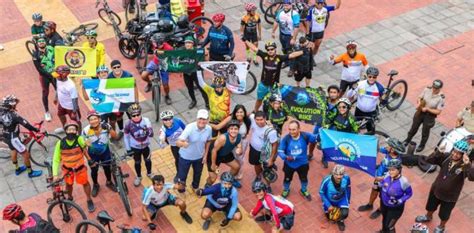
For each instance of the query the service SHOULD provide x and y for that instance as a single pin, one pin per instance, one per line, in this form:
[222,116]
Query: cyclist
[343,120]
[303,65]
[220,197]
[191,79]
[368,93]
[395,191]
[51,35]
[11,121]
[96,136]
[354,64]
[94,44]
[153,66]
[289,22]
[158,196]
[251,29]
[271,68]
[274,207]
[31,223]
[170,131]
[393,151]
[222,152]
[278,113]
[37,29]
[293,150]
[317,21]
[221,40]
[335,192]
[67,97]
[43,59]
[69,154]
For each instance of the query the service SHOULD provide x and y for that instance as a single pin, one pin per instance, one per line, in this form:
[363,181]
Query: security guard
[430,104]
[466,118]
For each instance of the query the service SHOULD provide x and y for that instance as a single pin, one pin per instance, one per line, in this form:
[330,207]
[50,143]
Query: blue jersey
[222,41]
[287,21]
[396,192]
[332,196]
[172,134]
[219,197]
[382,168]
[298,149]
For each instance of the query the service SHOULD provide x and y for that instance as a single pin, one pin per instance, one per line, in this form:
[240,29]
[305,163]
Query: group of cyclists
[222,135]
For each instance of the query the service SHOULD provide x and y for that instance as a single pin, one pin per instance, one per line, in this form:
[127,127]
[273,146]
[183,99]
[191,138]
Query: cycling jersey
[332,194]
[220,198]
[37,30]
[382,168]
[137,135]
[304,63]
[250,24]
[278,207]
[367,95]
[11,121]
[352,67]
[296,148]
[65,147]
[287,21]
[99,143]
[318,18]
[172,133]
[340,123]
[99,52]
[395,192]
[219,105]
[278,118]
[150,196]
[221,39]
[271,67]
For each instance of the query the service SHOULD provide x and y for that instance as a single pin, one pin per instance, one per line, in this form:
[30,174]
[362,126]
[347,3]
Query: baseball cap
[437,84]
[202,114]
[114,63]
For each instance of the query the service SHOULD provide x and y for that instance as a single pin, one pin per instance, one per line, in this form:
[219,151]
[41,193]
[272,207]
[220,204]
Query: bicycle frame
[30,135]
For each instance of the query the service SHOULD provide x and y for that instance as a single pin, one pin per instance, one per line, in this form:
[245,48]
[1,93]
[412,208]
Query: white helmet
[166,114]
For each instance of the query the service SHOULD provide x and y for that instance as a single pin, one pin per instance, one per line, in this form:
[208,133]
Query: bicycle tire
[103,15]
[141,54]
[199,29]
[270,13]
[128,47]
[400,97]
[34,157]
[156,91]
[123,192]
[65,202]
[31,47]
[253,82]
[85,223]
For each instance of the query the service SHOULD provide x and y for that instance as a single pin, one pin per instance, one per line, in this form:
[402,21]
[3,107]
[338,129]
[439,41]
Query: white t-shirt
[66,92]
[150,196]
[258,133]
[367,95]
[197,141]
[318,19]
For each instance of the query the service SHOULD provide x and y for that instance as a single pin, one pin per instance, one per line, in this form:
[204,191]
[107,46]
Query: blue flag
[352,150]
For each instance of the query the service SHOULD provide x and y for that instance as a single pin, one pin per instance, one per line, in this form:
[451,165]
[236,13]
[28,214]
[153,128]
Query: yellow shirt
[100,52]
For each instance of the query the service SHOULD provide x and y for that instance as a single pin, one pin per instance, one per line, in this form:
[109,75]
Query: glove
[199,192]
[105,126]
[152,226]
[290,158]
[225,222]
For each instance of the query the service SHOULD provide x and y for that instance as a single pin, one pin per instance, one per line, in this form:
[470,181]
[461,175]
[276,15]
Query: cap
[189,39]
[114,63]
[437,84]
[202,114]
[41,40]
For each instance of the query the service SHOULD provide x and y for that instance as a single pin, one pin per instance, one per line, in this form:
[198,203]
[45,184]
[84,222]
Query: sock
[304,186]
[286,185]
[28,169]
[15,164]
[248,54]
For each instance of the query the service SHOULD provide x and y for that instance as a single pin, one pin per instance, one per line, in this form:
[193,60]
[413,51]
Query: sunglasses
[342,107]
[270,49]
[136,115]
[116,67]
[167,119]
[91,37]
[372,77]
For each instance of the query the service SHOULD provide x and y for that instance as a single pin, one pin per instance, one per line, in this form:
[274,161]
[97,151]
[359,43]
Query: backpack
[267,149]
[41,226]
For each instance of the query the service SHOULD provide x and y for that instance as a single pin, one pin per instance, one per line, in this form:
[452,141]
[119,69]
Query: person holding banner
[94,44]
[277,112]
[343,120]
[293,150]
[335,193]
[66,98]
[395,191]
[331,104]
[191,79]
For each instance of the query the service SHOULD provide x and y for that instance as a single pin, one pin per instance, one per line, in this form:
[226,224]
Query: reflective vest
[72,156]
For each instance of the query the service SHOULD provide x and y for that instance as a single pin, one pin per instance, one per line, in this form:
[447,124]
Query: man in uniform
[466,118]
[429,105]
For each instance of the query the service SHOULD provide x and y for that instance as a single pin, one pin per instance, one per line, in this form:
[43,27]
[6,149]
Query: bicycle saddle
[392,72]
[104,217]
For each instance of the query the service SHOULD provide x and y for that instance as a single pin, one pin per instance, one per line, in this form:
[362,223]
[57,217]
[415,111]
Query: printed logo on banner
[75,58]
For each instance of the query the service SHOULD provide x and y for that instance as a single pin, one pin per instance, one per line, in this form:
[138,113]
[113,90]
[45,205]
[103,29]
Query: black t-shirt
[271,67]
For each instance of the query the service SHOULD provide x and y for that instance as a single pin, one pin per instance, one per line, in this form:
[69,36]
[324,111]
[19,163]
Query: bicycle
[156,93]
[301,7]
[119,181]
[31,47]
[73,36]
[109,17]
[395,91]
[104,219]
[59,199]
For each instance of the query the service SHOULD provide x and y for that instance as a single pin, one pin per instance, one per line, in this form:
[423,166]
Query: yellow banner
[80,60]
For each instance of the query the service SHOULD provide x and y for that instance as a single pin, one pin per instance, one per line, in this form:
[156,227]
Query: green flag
[181,60]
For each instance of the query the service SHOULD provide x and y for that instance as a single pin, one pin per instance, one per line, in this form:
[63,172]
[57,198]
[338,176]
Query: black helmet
[183,21]
[165,25]
[269,44]
[396,145]
[10,100]
[396,163]
[233,123]
[275,97]
[258,186]
[227,177]
[373,71]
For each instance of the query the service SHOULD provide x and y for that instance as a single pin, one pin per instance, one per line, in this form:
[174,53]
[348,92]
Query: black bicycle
[109,17]
[269,14]
[104,219]
[73,36]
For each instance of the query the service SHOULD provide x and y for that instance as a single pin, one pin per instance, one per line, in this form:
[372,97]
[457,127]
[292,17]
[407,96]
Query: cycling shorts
[81,176]
[262,91]
[15,144]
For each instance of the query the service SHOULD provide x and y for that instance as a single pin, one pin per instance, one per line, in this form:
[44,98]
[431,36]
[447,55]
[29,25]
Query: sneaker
[439,229]
[90,206]
[148,88]
[375,214]
[20,170]
[192,104]
[237,184]
[306,195]
[206,224]
[365,207]
[34,173]
[59,131]
[168,100]
[285,193]
[137,181]
[95,190]
[263,218]
[290,73]
[150,175]
[341,225]
[422,219]
[186,217]
[420,148]
[47,116]
[111,186]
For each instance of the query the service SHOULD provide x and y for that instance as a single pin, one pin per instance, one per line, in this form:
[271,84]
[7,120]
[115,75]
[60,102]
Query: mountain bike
[299,6]
[73,36]
[395,93]
[109,17]
[104,219]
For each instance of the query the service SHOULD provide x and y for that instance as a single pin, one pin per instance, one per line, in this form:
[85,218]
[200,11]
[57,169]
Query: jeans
[286,47]
[183,170]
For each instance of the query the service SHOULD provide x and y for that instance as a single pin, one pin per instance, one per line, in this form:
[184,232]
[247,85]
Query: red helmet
[51,25]
[92,113]
[219,17]
[249,6]
[12,211]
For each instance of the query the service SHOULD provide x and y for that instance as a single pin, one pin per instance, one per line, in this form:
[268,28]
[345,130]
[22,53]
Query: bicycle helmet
[351,44]
[183,21]
[50,25]
[227,177]
[275,97]
[71,123]
[11,211]
[461,146]
[165,25]
[287,2]
[219,17]
[396,145]
[334,87]
[102,68]
[92,113]
[91,33]
[372,71]
[134,109]
[344,100]
[10,100]
[338,170]
[269,175]
[250,6]
[258,186]
[395,163]
[218,82]
[335,214]
[269,44]
[233,123]
[437,83]
[167,114]
[37,17]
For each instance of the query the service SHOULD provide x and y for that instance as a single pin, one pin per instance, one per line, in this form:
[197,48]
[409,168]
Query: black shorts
[220,159]
[254,156]
[346,84]
[313,36]
[445,207]
[252,37]
[299,76]
[226,209]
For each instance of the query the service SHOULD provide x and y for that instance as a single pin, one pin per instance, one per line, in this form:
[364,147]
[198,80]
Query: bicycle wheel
[141,55]
[31,47]
[250,82]
[128,47]
[89,226]
[40,151]
[67,211]
[397,94]
[104,16]
[271,11]
[156,99]
[200,26]
[123,192]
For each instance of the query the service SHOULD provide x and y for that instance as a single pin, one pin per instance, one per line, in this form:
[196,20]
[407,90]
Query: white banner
[235,73]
